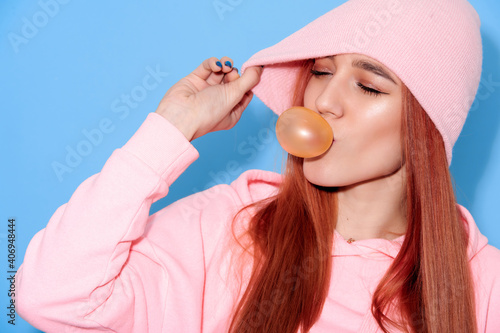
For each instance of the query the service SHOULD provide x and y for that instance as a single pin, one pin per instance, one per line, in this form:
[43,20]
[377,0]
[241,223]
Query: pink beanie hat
[433,46]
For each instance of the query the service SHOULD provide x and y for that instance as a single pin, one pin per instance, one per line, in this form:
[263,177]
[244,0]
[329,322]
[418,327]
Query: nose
[330,99]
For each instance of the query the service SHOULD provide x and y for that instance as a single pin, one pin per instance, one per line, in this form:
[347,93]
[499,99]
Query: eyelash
[366,90]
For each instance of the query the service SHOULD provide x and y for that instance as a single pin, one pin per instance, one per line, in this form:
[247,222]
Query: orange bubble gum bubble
[303,132]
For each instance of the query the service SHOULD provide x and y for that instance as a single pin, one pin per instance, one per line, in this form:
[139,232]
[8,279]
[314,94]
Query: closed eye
[369,91]
[318,73]
[366,90]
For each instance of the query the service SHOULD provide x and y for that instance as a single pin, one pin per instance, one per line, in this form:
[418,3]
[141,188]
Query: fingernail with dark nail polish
[218,63]
[228,64]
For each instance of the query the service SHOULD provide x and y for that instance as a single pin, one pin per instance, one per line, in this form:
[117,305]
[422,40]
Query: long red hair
[428,287]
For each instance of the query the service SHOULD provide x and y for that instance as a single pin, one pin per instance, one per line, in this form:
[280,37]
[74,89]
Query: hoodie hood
[434,47]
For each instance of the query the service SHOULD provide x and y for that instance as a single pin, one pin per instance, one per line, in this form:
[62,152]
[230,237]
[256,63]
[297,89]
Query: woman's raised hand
[210,98]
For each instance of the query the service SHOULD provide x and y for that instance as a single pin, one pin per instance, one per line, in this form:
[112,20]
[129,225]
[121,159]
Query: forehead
[351,56]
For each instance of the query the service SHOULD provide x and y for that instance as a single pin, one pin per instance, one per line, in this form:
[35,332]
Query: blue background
[69,71]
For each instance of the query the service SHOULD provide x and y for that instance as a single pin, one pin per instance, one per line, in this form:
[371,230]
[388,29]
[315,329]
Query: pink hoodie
[103,264]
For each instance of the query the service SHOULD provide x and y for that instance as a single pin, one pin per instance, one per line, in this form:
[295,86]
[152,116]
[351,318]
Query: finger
[206,68]
[227,64]
[231,73]
[215,78]
[219,77]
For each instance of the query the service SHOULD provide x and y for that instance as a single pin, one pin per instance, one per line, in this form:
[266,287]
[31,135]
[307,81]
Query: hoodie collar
[379,248]
[373,248]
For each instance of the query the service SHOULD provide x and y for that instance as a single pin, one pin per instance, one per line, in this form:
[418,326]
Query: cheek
[382,137]
[379,120]
[310,94]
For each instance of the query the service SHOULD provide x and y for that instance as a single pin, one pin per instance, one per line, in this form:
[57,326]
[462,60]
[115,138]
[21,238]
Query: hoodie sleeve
[79,273]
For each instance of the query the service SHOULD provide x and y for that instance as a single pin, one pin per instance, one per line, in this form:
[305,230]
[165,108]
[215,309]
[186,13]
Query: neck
[373,209]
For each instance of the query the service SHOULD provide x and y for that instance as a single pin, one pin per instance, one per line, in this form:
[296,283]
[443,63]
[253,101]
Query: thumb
[250,77]
[239,87]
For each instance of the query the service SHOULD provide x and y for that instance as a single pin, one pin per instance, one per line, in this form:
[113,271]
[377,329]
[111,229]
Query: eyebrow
[371,67]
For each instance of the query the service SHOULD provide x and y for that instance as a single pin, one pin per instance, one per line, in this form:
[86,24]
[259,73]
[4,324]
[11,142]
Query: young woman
[366,237]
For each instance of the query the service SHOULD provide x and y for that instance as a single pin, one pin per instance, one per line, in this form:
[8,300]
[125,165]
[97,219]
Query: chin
[328,182]
[318,176]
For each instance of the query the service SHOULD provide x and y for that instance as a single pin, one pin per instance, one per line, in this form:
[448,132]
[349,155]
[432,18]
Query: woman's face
[361,99]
